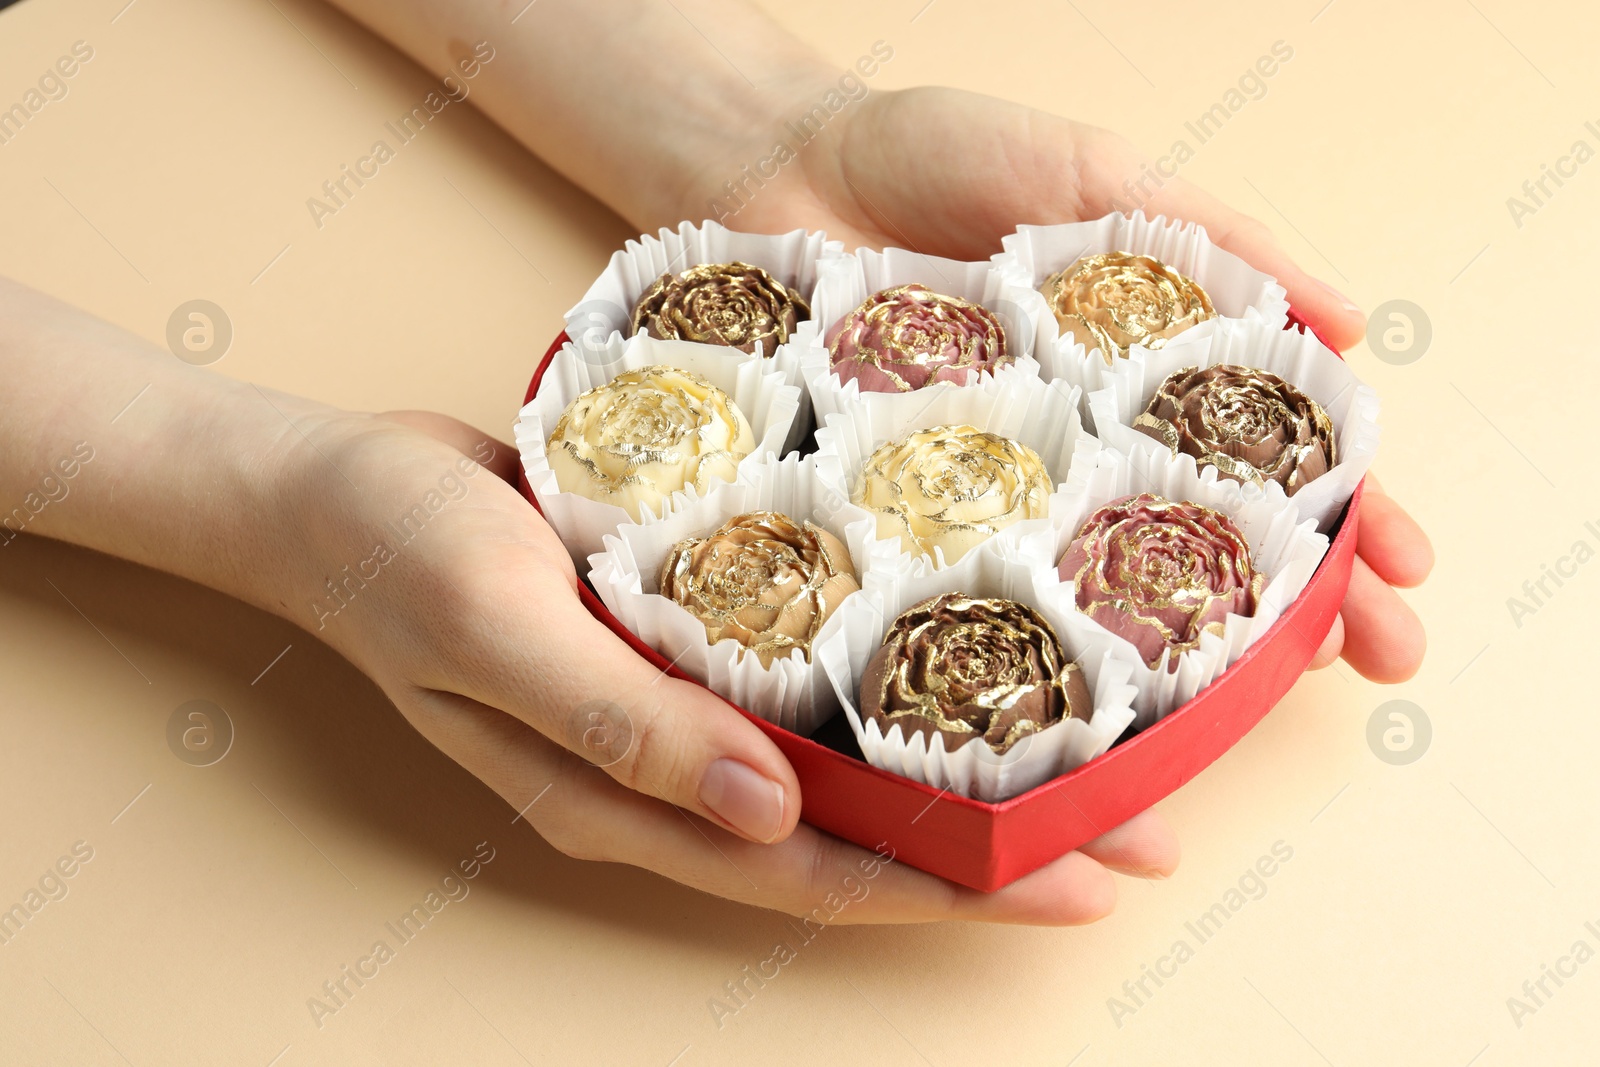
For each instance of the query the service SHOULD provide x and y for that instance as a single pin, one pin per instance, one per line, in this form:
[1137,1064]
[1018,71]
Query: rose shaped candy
[952,487]
[961,668]
[1117,299]
[910,337]
[762,579]
[1249,424]
[645,435]
[1161,573]
[733,304]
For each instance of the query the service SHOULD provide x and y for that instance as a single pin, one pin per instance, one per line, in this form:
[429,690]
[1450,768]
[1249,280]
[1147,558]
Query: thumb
[589,692]
[558,669]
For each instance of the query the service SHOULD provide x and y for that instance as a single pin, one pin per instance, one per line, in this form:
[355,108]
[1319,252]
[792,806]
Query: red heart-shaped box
[987,846]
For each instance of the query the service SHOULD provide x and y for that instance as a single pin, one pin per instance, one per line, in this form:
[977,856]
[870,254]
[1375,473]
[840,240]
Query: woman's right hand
[398,541]
[473,627]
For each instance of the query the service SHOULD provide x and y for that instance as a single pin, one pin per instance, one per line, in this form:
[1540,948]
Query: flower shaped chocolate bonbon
[733,304]
[1161,573]
[762,579]
[1116,299]
[961,667]
[952,487]
[645,435]
[911,337]
[1251,425]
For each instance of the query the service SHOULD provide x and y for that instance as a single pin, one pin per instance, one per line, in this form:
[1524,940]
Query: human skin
[474,630]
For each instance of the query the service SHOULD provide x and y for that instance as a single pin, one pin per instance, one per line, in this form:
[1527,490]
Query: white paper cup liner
[607,308]
[1284,547]
[792,692]
[1042,415]
[1298,358]
[845,280]
[973,770]
[759,392]
[1033,253]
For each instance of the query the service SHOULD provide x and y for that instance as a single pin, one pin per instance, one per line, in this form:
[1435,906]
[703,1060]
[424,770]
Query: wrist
[724,147]
[284,478]
[232,505]
[784,170]
[325,494]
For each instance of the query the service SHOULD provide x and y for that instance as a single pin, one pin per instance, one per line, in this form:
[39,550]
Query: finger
[1383,638]
[1143,847]
[499,458]
[1331,646]
[811,874]
[1390,540]
[554,666]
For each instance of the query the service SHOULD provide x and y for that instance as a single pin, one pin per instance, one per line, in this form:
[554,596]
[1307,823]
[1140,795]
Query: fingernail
[1349,305]
[744,798]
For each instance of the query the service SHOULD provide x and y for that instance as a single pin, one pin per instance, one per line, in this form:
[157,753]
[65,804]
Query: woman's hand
[435,577]
[948,173]
[397,540]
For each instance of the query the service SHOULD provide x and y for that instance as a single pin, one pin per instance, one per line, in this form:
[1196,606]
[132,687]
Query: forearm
[631,99]
[111,443]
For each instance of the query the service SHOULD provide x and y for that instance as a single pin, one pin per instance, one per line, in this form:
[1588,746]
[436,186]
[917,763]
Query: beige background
[1418,898]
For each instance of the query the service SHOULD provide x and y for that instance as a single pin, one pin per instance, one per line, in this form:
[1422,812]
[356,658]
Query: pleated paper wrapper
[845,281]
[792,258]
[792,692]
[1294,355]
[1042,415]
[973,770]
[1283,546]
[758,391]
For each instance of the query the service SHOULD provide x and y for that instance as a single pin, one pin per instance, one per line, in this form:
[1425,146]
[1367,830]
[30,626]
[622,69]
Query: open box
[987,846]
